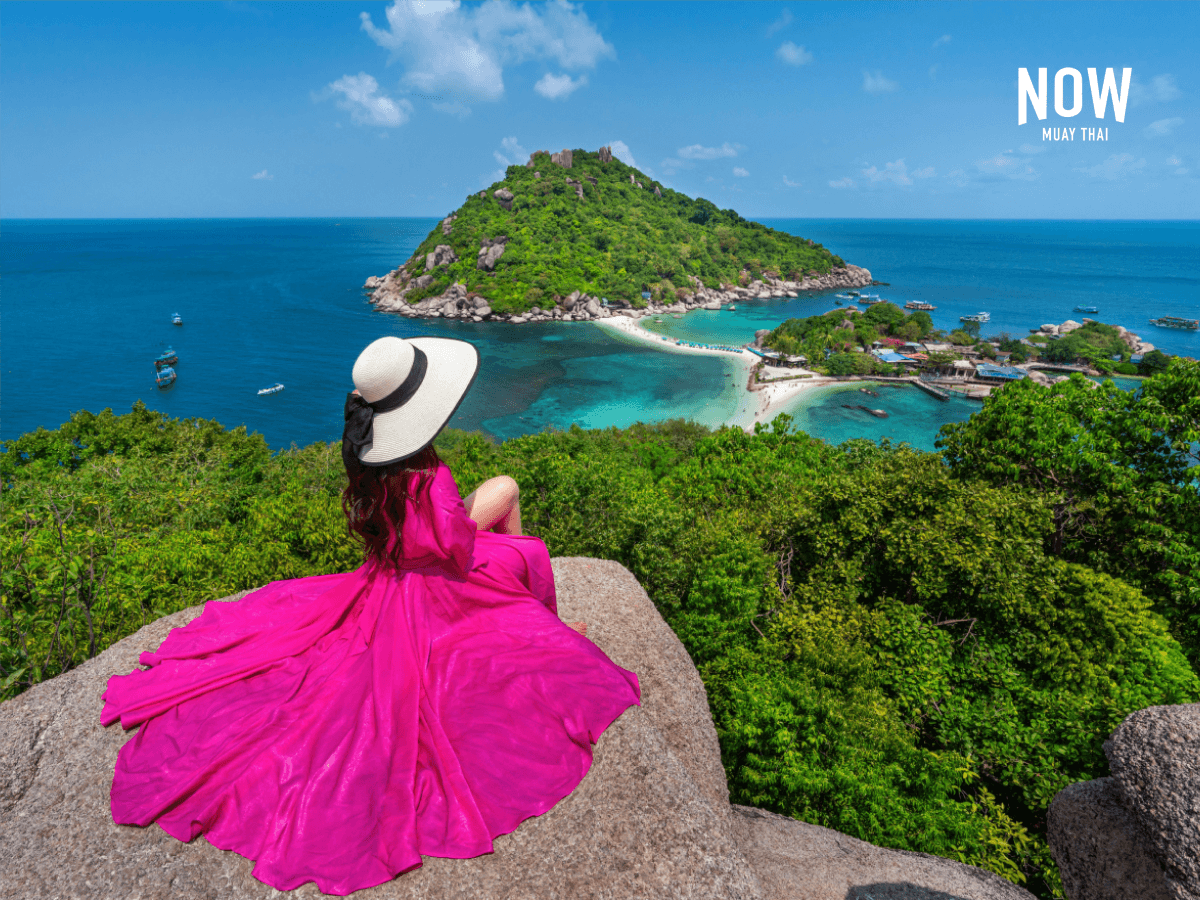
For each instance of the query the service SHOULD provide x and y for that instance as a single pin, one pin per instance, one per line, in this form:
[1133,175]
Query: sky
[861,110]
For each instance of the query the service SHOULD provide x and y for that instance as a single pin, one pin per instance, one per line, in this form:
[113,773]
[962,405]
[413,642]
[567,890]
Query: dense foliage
[615,241]
[915,649]
[838,333]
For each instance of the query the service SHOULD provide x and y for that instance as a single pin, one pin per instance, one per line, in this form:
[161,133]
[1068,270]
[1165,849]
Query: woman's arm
[496,505]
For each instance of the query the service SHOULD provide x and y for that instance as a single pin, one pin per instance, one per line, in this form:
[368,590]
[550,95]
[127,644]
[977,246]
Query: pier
[931,390]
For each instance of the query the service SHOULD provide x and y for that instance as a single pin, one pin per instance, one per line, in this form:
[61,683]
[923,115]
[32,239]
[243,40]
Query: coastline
[769,398]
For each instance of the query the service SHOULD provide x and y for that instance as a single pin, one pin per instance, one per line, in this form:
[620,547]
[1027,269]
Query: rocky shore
[1131,340]
[389,293]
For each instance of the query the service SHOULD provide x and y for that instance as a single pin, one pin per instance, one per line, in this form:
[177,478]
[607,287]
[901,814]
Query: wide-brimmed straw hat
[407,391]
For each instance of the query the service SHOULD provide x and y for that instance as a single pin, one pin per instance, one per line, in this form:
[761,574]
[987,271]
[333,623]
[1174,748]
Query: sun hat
[407,391]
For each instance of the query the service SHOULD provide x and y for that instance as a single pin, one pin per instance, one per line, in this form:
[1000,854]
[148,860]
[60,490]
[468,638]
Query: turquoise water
[87,306]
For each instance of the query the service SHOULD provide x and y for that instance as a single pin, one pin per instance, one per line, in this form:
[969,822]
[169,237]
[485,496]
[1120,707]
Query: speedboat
[978,317]
[1087,309]
[273,389]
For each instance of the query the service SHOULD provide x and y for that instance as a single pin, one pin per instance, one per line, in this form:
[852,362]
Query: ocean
[87,306]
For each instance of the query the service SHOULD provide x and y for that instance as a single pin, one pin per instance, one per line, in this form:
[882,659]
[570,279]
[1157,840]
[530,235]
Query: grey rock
[657,192]
[534,155]
[759,335]
[651,819]
[1154,756]
[1099,848]
[448,223]
[423,282]
[605,154]
[442,255]
[593,306]
[483,311]
[798,861]
[562,158]
[504,197]
[372,282]
[488,256]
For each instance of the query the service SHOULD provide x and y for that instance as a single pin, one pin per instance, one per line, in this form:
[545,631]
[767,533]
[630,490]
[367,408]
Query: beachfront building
[782,360]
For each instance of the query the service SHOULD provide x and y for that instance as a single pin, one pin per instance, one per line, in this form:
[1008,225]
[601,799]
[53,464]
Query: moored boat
[273,389]
[1176,322]
[164,377]
[167,358]
[918,304]
[1087,309]
[176,319]
[978,317]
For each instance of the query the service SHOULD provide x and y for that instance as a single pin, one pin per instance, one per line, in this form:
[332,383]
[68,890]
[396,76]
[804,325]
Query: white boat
[273,389]
[978,317]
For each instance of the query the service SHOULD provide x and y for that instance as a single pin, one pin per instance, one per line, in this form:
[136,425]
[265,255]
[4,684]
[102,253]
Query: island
[576,235]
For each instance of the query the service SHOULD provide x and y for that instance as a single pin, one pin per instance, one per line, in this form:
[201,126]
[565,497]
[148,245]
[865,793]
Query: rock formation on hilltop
[651,820]
[587,224]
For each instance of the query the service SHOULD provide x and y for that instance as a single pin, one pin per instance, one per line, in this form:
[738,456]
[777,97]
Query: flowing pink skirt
[338,728]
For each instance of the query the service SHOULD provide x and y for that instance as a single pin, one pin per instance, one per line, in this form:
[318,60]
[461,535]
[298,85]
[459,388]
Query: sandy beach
[766,402]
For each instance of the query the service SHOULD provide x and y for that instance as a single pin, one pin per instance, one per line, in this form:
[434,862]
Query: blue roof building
[1006,373]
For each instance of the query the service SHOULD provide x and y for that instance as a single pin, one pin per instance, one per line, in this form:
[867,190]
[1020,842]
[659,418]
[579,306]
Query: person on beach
[337,728]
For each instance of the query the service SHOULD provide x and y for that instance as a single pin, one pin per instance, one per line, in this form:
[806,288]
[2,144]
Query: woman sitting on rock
[338,728]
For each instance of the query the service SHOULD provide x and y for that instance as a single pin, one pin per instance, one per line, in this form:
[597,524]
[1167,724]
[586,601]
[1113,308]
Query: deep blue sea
[87,305]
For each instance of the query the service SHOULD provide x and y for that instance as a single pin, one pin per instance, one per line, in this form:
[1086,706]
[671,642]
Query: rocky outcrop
[504,197]
[389,293]
[605,154]
[442,255]
[578,185]
[1135,834]
[448,223]
[562,158]
[651,819]
[490,250]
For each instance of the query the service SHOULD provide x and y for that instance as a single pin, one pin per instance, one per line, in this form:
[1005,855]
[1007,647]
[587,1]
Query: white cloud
[740,172]
[1162,89]
[364,101]
[556,87]
[1182,171]
[511,153]
[944,39]
[1174,161]
[846,182]
[1004,165]
[792,184]
[896,173]
[1163,127]
[794,55]
[621,151]
[877,84]
[696,151]
[784,20]
[264,175]
[1117,166]
[449,49]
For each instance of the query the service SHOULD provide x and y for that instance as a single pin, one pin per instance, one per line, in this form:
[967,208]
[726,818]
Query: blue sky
[773,109]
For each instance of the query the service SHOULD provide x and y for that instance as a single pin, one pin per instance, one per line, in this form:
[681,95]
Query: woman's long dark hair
[375,500]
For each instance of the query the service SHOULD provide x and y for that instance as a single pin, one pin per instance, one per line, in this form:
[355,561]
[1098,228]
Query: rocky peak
[562,158]
[605,154]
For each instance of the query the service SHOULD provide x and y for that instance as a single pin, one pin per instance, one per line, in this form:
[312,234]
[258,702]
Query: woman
[337,728]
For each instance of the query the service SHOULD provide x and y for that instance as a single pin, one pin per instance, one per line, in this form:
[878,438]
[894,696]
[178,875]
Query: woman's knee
[506,489]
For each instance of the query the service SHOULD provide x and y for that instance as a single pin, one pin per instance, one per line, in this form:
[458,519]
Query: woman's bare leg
[496,505]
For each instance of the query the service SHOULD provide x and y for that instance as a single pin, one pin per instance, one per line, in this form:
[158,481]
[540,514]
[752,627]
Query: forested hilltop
[586,223]
[917,649]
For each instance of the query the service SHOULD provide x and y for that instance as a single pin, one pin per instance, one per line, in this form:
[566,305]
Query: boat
[167,358]
[978,317]
[874,300]
[843,296]
[176,319]
[273,389]
[164,377]
[1087,309]
[1176,322]
[733,309]
[917,304]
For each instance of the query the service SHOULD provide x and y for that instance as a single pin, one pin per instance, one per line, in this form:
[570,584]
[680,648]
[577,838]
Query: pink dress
[338,728]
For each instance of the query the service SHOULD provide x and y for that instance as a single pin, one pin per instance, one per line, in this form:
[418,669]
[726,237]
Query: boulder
[593,306]
[442,255]
[713,304]
[657,192]
[423,282]
[371,283]
[448,222]
[504,197]
[483,311]
[488,256]
[1154,756]
[1099,848]
[1049,329]
[759,335]
[605,154]
[651,819]
[1068,326]
[562,158]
